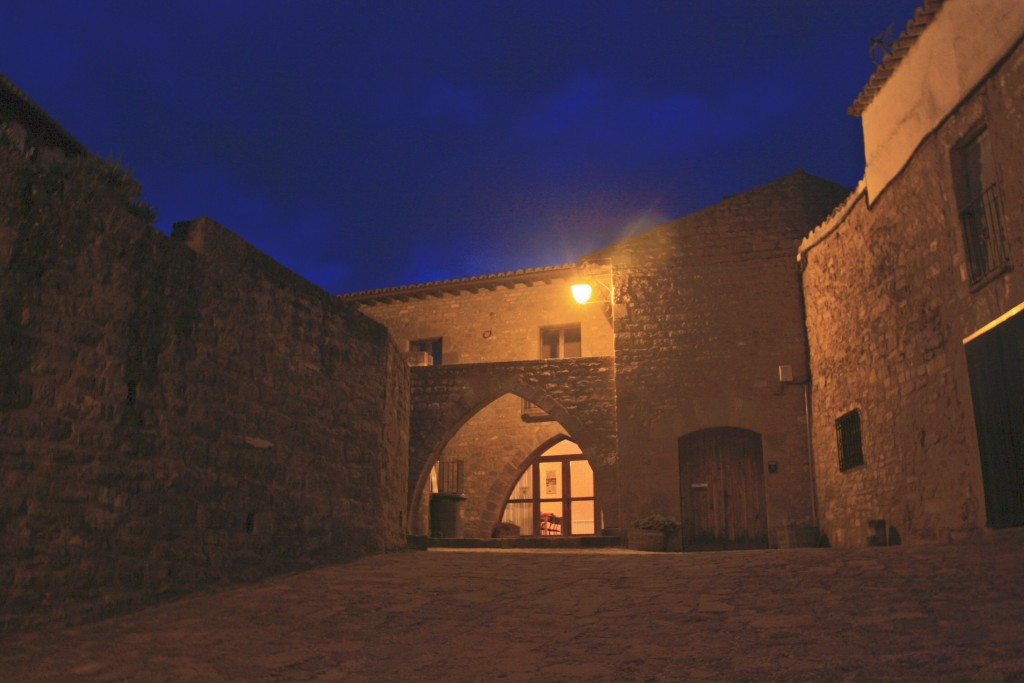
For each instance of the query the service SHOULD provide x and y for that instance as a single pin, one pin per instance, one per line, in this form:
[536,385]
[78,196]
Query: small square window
[431,347]
[561,342]
[848,436]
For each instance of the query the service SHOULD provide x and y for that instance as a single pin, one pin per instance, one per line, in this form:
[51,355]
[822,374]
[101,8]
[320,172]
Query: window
[533,413]
[555,495]
[448,476]
[848,436]
[431,347]
[561,342]
[980,208]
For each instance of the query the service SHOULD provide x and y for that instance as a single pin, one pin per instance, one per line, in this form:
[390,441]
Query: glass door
[555,496]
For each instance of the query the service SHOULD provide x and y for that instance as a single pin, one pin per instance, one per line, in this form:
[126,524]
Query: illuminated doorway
[555,495]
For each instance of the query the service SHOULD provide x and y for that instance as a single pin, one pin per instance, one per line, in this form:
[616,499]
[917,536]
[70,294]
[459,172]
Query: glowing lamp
[581,293]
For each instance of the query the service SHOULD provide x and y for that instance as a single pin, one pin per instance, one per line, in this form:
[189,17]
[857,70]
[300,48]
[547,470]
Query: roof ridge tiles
[453,283]
[923,17]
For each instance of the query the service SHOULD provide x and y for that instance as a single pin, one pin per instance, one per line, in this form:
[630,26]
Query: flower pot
[649,540]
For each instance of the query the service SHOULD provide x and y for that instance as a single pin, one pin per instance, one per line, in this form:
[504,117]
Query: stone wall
[174,411]
[888,306]
[710,307]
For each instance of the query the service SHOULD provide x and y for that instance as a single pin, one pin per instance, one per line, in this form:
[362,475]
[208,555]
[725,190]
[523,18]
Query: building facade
[689,325]
[528,319]
[793,364]
[912,288]
[860,386]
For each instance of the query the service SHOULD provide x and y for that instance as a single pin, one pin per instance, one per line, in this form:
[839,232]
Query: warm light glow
[998,321]
[581,293]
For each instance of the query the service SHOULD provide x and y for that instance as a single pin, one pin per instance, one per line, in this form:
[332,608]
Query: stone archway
[491,447]
[578,393]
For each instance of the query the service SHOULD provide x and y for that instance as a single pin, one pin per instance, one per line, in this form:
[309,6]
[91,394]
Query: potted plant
[505,530]
[651,533]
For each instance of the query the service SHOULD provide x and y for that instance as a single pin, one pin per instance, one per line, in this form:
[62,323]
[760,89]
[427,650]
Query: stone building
[794,361]
[894,333]
[518,330]
[660,396]
[913,286]
[175,411]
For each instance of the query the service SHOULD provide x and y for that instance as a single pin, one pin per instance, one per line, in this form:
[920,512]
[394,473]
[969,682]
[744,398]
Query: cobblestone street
[923,613]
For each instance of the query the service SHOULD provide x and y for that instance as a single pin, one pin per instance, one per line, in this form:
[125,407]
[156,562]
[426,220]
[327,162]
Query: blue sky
[371,144]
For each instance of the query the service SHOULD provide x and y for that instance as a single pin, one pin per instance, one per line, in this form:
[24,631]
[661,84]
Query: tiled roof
[526,276]
[39,124]
[922,18]
[832,222]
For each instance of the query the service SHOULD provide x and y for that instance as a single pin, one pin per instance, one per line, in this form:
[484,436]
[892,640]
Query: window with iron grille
[848,436]
[980,207]
[449,476]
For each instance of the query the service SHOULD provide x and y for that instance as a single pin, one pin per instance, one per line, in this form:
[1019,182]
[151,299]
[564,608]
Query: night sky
[371,144]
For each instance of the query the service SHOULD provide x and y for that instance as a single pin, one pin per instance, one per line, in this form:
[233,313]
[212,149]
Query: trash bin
[446,515]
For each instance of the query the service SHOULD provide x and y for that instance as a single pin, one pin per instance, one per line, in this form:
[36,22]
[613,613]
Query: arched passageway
[576,394]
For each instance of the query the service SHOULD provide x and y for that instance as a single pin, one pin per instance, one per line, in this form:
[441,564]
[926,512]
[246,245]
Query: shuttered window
[848,437]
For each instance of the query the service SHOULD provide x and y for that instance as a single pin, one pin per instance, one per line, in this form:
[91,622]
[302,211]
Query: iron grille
[982,223]
[848,435]
[450,477]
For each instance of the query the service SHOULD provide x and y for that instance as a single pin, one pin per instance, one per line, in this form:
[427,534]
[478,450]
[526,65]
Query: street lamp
[596,272]
[581,292]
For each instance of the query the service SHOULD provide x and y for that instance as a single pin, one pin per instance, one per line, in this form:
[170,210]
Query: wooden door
[995,362]
[721,480]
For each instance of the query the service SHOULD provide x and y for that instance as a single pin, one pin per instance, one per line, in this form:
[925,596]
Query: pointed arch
[492,443]
[460,414]
[578,393]
[534,454]
[554,492]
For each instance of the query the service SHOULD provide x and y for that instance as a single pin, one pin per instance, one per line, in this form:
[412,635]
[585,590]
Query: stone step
[536,542]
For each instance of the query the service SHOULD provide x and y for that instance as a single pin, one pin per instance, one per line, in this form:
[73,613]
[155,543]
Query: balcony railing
[982,222]
[532,413]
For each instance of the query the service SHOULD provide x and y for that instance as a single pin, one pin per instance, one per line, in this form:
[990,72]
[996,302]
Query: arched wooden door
[721,477]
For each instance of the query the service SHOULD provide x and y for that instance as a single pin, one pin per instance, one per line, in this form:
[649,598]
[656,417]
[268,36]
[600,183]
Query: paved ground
[926,613]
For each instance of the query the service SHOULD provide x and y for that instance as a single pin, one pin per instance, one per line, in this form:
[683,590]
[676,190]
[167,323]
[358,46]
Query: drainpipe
[801,265]
[810,442]
[810,452]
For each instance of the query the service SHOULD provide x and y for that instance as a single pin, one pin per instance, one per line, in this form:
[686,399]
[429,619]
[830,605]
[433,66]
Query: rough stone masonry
[174,411]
